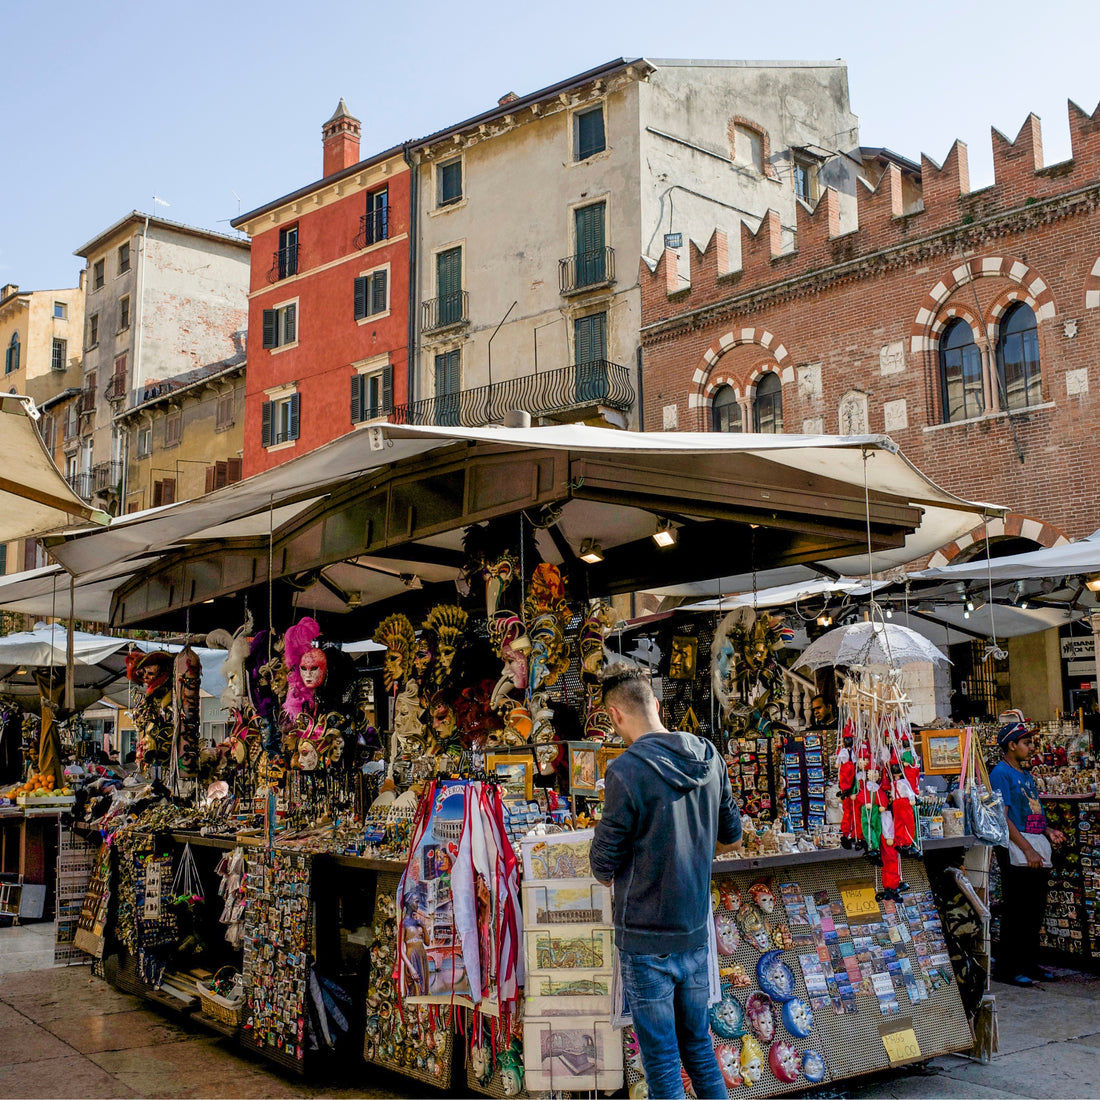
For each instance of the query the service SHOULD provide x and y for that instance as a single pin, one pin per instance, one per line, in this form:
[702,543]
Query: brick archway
[706,380]
[1013,525]
[924,332]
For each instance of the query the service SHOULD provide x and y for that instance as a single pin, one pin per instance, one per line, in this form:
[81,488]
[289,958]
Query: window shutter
[387,389]
[15,358]
[378,292]
[449,271]
[590,235]
[28,554]
[234,470]
[221,475]
[295,398]
[269,329]
[168,494]
[210,472]
[290,326]
[356,398]
[360,297]
[265,424]
[447,373]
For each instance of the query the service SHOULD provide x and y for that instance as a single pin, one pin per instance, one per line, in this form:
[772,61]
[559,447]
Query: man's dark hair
[626,686]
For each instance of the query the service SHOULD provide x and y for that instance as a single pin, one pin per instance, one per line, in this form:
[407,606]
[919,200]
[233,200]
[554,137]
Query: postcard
[559,901]
[574,1053]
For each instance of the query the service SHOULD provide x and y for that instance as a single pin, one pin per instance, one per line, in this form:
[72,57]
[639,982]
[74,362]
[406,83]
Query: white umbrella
[871,643]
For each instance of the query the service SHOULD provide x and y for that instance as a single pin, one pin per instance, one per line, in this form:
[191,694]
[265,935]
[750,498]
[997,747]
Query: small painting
[941,751]
[572,1053]
[516,774]
[583,770]
[557,856]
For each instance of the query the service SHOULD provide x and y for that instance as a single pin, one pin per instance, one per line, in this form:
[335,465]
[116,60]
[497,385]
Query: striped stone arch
[758,372]
[961,313]
[924,333]
[1092,287]
[706,380]
[1013,525]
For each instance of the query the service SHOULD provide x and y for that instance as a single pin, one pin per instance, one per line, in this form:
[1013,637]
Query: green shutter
[590,352]
[294,409]
[270,340]
[590,134]
[449,272]
[360,297]
[387,389]
[265,425]
[290,324]
[591,260]
[356,398]
[378,292]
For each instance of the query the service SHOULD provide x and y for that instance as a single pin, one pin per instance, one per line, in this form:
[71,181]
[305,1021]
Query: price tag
[859,900]
[901,1046]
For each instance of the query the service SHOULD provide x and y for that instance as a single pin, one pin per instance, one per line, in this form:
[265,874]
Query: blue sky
[107,104]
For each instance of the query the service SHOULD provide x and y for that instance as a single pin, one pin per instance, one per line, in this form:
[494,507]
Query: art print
[569,987]
[572,1053]
[583,768]
[560,856]
[566,900]
[568,947]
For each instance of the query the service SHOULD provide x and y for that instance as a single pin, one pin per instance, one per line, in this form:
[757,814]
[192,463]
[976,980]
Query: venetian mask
[798,1018]
[725,932]
[728,1065]
[813,1066]
[774,976]
[751,922]
[763,896]
[752,1061]
[783,1062]
[307,756]
[758,1008]
[423,657]
[313,667]
[393,667]
[480,1059]
[727,1017]
[730,895]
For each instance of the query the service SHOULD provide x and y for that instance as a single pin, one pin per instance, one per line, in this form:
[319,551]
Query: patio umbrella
[870,643]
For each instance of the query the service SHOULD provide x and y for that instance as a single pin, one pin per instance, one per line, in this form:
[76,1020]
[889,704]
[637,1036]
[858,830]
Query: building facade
[328,301]
[40,337]
[533,217]
[162,300]
[965,324]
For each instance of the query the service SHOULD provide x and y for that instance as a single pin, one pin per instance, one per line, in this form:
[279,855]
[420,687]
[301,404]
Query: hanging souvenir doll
[903,809]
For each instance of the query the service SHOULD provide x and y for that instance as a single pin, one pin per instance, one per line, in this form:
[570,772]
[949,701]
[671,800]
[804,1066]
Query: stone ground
[64,1033]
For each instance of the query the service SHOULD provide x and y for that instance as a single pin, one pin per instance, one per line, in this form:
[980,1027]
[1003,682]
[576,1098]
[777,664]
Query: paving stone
[27,1042]
[1066,1069]
[1028,1018]
[64,1077]
[114,1031]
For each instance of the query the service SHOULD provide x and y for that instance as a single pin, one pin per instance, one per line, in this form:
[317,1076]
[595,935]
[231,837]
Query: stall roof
[406,493]
[39,499]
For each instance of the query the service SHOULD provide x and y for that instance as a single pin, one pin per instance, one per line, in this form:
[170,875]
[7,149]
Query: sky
[216,107]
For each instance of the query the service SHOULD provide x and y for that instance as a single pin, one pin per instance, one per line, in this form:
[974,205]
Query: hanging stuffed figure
[903,809]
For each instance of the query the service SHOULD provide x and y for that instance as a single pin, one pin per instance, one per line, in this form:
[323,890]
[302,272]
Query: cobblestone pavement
[64,1033]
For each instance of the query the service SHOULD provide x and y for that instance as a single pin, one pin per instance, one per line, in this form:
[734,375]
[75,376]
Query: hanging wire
[993,650]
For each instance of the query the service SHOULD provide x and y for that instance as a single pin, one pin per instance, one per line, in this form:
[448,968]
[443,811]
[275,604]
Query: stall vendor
[1025,863]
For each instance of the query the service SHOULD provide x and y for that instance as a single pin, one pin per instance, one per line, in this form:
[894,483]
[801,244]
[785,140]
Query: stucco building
[162,300]
[328,301]
[531,220]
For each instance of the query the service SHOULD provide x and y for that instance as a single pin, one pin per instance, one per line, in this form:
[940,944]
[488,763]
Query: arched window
[11,357]
[960,373]
[726,411]
[767,409]
[1018,358]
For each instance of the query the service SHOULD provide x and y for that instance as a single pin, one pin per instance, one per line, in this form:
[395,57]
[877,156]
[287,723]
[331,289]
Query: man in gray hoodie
[667,801]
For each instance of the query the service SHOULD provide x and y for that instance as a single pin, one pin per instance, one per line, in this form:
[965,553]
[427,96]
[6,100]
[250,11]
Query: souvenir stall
[394,860]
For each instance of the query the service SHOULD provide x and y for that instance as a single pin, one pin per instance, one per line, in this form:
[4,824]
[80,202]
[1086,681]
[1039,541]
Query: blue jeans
[667,997]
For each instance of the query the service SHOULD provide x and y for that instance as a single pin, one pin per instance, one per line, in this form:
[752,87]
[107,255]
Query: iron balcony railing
[106,477]
[284,264]
[596,383]
[586,270]
[373,227]
[447,311]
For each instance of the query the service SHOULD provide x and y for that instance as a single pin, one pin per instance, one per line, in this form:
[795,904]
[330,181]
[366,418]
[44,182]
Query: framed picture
[604,755]
[515,772]
[941,751]
[682,657]
[583,770]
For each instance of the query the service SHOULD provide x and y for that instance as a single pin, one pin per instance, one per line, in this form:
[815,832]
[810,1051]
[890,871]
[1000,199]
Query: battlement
[946,204]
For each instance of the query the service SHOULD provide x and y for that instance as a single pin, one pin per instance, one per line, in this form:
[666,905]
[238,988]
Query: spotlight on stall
[665,535]
[591,551]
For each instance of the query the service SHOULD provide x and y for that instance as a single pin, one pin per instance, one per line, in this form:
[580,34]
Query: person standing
[1025,863]
[667,802]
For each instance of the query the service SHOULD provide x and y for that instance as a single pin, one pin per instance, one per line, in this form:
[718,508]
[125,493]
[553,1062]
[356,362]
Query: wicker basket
[220,1008]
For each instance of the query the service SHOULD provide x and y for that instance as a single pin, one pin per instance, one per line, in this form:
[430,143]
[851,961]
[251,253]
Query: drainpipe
[136,373]
[641,393]
[412,352]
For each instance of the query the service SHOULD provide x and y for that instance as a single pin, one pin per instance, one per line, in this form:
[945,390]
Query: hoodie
[667,799]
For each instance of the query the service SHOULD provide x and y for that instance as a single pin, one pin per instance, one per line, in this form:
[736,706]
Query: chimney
[8,290]
[340,137]
[508,97]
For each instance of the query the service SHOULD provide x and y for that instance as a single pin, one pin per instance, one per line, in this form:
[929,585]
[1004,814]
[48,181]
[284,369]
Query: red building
[328,301]
[965,324]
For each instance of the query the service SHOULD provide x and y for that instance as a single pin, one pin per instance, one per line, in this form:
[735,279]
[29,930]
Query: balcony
[586,270]
[550,393]
[448,311]
[105,477]
[373,227]
[284,263]
[116,388]
[81,484]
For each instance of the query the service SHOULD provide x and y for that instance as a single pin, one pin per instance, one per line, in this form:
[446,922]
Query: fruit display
[38,786]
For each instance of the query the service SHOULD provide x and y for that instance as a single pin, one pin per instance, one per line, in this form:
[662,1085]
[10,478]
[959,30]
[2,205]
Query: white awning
[1081,557]
[34,497]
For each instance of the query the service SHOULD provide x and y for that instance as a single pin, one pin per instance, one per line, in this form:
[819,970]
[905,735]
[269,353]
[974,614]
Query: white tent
[1069,558]
[34,497]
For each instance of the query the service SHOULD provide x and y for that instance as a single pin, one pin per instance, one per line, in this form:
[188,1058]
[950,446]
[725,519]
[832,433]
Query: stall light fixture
[969,605]
[1093,584]
[889,612]
[664,536]
[591,551]
[966,614]
[824,620]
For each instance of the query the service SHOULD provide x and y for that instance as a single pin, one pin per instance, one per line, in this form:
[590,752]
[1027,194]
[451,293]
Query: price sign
[901,1046]
[859,900]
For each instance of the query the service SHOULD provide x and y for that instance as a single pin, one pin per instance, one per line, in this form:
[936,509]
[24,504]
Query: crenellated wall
[851,324]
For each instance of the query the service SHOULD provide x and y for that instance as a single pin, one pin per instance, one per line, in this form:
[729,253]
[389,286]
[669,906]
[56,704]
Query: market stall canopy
[34,497]
[392,501]
[1069,558]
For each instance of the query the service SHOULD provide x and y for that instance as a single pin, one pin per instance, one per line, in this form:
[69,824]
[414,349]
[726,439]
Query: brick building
[965,324]
[328,301]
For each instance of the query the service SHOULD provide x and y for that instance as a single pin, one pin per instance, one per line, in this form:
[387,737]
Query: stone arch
[708,362]
[924,332]
[999,306]
[765,142]
[763,367]
[1014,525]
[1092,287]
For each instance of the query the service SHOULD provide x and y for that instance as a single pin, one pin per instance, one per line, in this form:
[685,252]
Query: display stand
[1071,928]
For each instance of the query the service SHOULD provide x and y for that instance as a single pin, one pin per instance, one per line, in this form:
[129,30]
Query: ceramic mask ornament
[783,1062]
[498,575]
[730,895]
[813,1067]
[752,925]
[774,976]
[758,1009]
[725,932]
[798,1018]
[396,633]
[761,893]
[308,759]
[597,623]
[729,1064]
[235,693]
[449,623]
[727,1017]
[715,897]
[482,1062]
[510,1064]
[752,1061]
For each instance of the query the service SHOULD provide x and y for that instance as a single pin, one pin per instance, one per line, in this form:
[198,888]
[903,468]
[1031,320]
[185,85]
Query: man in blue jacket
[667,801]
